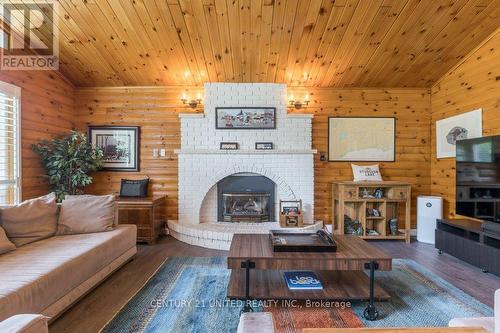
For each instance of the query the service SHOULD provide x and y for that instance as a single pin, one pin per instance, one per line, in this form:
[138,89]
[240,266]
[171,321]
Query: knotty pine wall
[155,109]
[473,83]
[47,110]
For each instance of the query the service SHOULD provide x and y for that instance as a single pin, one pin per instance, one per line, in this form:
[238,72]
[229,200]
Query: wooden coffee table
[257,271]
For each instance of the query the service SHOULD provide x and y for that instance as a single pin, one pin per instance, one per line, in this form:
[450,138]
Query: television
[478,178]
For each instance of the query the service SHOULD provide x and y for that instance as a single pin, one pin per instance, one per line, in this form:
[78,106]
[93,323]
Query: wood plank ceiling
[341,43]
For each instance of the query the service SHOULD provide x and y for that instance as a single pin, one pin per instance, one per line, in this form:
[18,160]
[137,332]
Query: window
[10,161]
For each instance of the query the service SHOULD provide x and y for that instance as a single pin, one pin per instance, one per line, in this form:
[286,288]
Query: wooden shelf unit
[347,199]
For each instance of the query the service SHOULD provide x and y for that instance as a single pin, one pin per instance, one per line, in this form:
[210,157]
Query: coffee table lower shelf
[337,285]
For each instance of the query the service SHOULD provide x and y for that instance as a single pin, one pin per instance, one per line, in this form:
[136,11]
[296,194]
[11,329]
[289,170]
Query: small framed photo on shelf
[229,146]
[264,146]
[290,210]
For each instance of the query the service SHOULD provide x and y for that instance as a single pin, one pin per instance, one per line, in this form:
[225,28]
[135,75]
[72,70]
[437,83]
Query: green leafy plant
[68,160]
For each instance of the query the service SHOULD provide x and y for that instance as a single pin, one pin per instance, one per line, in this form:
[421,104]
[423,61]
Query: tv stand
[465,240]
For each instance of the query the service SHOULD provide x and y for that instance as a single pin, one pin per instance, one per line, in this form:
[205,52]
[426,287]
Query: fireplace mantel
[243,152]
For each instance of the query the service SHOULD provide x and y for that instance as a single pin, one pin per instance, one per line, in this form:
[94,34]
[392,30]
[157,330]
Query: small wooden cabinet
[148,214]
[357,200]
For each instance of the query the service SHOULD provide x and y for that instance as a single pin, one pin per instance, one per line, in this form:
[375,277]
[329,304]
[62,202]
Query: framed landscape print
[463,126]
[361,139]
[245,118]
[120,145]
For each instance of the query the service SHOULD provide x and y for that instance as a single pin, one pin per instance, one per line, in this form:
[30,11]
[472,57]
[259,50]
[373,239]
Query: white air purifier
[429,209]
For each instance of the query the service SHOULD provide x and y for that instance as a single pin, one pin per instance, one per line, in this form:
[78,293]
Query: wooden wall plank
[474,83]
[156,110]
[47,110]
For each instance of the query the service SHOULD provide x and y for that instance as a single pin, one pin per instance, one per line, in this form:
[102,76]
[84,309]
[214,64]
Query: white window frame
[15,91]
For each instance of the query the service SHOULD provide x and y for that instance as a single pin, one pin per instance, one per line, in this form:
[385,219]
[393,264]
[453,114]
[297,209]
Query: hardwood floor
[97,308]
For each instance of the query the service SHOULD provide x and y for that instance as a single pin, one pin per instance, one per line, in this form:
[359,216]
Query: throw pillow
[5,244]
[31,220]
[81,214]
[366,173]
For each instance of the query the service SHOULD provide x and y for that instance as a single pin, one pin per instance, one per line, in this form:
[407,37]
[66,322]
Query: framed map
[360,139]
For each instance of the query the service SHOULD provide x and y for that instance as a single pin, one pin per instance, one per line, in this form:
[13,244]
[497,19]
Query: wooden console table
[148,214]
[348,198]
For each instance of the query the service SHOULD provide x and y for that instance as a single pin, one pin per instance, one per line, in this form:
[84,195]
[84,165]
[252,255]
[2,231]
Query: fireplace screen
[246,207]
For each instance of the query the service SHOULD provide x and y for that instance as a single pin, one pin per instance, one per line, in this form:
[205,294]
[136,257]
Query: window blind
[10,175]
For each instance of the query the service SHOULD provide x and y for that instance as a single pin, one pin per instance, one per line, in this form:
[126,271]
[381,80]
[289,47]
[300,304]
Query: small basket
[291,214]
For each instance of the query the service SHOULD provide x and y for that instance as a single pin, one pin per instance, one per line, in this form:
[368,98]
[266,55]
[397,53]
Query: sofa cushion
[25,323]
[38,274]
[31,220]
[5,244]
[86,214]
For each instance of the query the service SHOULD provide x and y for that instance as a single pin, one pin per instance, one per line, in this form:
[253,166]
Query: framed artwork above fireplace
[245,117]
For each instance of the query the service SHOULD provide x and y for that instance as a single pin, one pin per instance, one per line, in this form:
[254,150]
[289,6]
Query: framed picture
[287,210]
[245,118]
[464,126]
[264,146]
[361,139]
[229,146]
[120,145]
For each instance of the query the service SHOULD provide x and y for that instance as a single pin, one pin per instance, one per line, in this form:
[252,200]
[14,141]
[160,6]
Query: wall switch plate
[155,153]
[163,152]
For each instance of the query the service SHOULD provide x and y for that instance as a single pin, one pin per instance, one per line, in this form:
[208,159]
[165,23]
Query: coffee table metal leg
[247,264]
[371,312]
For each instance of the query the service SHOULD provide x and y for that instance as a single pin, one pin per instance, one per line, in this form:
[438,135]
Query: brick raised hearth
[202,164]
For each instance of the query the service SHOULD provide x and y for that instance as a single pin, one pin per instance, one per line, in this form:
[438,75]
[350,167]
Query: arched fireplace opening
[246,197]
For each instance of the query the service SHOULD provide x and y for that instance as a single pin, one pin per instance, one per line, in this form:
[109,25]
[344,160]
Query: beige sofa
[48,276]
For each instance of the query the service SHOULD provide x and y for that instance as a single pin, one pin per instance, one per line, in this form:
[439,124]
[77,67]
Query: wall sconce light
[193,103]
[297,103]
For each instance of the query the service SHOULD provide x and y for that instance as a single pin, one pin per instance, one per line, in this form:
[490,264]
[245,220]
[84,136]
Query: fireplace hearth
[245,198]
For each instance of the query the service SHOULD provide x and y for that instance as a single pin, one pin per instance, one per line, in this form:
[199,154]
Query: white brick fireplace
[290,165]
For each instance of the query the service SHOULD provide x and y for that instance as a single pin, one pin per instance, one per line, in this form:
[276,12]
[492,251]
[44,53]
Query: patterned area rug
[188,295]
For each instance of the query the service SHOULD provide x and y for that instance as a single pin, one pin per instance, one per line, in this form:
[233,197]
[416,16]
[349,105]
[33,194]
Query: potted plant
[68,160]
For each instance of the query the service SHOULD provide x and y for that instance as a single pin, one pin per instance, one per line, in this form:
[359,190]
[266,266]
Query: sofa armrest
[497,311]
[25,323]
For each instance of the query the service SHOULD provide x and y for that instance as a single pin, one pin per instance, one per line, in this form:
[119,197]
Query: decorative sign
[264,146]
[229,145]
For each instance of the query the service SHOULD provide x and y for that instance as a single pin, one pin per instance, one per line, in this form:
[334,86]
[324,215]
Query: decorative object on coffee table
[291,213]
[361,139]
[245,117]
[357,199]
[303,241]
[149,214]
[120,146]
